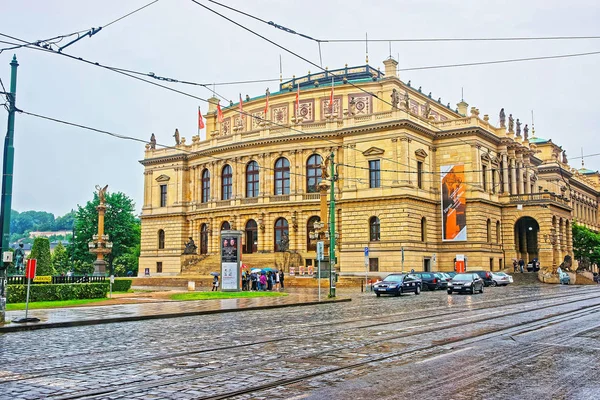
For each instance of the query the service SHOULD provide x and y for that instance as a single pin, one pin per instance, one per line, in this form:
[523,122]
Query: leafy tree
[41,252]
[60,259]
[586,246]
[31,221]
[120,224]
[65,222]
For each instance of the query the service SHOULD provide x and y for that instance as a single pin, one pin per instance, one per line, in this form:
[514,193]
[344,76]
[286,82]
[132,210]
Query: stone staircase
[525,278]
[200,264]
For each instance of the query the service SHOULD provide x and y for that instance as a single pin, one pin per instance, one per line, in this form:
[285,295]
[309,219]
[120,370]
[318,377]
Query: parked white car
[501,279]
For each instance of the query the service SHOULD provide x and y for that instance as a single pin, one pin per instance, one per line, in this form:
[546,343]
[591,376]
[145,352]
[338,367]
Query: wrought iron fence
[21,280]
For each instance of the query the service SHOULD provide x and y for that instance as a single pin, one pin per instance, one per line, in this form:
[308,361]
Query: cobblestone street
[514,342]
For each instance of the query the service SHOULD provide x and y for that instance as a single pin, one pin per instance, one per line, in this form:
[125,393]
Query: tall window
[501,176]
[252,179]
[310,226]
[423,229]
[313,173]
[281,235]
[226,183]
[373,264]
[489,231]
[159,267]
[161,239]
[282,176]
[484,177]
[251,232]
[225,226]
[204,239]
[374,234]
[163,195]
[493,181]
[205,186]
[498,232]
[374,178]
[420,174]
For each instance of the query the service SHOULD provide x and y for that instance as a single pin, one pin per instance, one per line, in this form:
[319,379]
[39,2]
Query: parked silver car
[467,282]
[501,279]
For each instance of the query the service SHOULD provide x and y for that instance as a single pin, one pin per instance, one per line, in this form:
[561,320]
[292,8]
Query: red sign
[30,270]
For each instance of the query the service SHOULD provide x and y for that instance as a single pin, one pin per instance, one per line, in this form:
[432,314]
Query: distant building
[48,234]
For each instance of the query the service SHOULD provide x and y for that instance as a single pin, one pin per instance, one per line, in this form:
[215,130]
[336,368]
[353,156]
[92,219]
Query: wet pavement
[521,342]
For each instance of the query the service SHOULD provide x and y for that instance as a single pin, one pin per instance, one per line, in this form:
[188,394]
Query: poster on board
[230,260]
[454,203]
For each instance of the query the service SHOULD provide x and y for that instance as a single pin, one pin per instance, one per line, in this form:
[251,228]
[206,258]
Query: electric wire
[131,13]
[476,39]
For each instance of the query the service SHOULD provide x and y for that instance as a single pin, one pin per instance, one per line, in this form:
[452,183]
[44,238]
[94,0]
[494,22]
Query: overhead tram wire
[490,39]
[122,71]
[131,13]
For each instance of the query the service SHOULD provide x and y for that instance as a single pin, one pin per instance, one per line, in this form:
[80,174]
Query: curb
[67,324]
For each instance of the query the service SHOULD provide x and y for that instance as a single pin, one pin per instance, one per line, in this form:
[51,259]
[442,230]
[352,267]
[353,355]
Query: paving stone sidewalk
[154,306]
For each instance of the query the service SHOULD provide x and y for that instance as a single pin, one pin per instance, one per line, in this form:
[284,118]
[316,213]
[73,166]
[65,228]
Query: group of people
[263,280]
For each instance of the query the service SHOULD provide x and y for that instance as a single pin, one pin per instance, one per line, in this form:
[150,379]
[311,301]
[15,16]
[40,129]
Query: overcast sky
[57,167]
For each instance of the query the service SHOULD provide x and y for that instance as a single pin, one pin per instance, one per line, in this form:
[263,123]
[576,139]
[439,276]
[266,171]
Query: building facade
[416,182]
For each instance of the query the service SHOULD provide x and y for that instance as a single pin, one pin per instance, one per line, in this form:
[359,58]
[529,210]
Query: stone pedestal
[100,268]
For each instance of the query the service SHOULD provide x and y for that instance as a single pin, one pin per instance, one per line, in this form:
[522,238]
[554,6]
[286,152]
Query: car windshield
[464,277]
[394,278]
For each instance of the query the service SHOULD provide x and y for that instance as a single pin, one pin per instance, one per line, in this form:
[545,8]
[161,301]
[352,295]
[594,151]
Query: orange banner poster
[454,203]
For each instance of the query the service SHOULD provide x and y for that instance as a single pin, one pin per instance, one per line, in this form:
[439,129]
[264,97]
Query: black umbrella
[215,273]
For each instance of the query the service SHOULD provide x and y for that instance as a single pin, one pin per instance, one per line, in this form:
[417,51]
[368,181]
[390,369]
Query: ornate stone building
[260,172]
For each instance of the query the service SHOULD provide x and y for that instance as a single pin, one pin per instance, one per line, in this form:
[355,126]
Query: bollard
[361,287]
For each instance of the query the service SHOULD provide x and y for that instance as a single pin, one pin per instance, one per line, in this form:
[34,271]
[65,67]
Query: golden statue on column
[100,244]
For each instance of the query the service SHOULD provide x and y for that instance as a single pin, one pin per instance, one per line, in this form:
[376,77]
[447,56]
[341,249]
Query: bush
[121,285]
[18,293]
[41,252]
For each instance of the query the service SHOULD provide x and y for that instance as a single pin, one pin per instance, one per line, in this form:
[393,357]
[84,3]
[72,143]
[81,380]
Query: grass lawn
[51,304]
[223,295]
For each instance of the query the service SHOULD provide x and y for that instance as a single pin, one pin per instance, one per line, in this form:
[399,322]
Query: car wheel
[473,289]
[399,292]
[418,290]
[449,291]
[378,294]
[481,290]
[494,283]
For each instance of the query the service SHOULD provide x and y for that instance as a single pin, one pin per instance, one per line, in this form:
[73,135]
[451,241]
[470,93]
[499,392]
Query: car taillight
[487,274]
[434,280]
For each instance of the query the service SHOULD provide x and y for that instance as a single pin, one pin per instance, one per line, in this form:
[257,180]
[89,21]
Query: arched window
[374,234]
[252,179]
[310,226]
[282,176]
[226,183]
[161,239]
[251,237]
[281,235]
[203,239]
[423,229]
[313,173]
[205,186]
[489,231]
[225,226]
[498,233]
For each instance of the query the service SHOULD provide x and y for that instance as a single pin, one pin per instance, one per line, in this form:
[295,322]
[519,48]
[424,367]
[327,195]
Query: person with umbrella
[215,286]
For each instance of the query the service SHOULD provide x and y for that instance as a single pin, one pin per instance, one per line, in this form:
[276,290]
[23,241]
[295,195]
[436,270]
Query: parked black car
[397,284]
[466,282]
[485,275]
[430,281]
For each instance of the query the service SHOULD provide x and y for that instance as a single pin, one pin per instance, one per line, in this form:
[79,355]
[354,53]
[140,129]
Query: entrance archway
[527,232]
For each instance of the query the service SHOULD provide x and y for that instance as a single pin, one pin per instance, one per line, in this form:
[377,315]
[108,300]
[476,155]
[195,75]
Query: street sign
[366,252]
[7,256]
[366,261]
[320,250]
[30,270]
[112,279]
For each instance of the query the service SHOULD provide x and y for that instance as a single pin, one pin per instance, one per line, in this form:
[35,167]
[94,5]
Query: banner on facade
[454,203]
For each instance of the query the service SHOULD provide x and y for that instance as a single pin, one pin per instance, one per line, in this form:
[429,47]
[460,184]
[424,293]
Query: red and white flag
[219,113]
[200,119]
[241,105]
[331,97]
[267,105]
[297,100]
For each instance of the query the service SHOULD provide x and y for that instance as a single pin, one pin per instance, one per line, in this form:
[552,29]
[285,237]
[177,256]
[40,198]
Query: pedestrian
[521,264]
[281,278]
[253,281]
[515,264]
[262,281]
[215,287]
[276,277]
[269,281]
[244,282]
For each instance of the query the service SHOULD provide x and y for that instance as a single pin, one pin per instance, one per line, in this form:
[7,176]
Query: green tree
[586,246]
[120,224]
[65,222]
[60,259]
[41,252]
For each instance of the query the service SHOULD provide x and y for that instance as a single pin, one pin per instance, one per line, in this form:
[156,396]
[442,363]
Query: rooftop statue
[395,99]
[406,102]
[564,157]
[176,136]
[153,142]
[518,127]
[511,123]
[427,110]
[502,119]
[526,132]
[101,193]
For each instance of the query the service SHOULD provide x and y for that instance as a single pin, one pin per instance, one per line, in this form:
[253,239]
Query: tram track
[552,318]
[54,371]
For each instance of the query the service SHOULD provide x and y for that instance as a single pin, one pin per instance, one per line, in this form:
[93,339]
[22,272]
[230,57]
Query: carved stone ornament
[373,151]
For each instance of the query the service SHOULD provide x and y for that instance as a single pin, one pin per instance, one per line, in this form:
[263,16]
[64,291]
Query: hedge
[18,293]
[121,285]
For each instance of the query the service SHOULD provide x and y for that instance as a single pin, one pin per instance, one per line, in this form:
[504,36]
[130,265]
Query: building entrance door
[427,264]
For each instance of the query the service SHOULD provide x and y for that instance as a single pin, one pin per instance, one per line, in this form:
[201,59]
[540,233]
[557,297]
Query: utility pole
[7,179]
[332,230]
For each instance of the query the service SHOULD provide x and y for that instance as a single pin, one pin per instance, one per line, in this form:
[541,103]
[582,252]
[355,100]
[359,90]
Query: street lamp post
[100,244]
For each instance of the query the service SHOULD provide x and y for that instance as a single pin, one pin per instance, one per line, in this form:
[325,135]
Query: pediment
[163,178]
[485,157]
[373,151]
[420,153]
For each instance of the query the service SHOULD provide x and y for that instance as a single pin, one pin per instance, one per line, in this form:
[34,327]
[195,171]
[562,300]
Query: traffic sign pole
[366,268]
[320,251]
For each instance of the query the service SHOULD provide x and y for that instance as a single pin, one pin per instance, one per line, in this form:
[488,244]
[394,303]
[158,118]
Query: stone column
[294,171]
[527,179]
[213,192]
[490,181]
[395,175]
[505,170]
[513,174]
[402,162]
